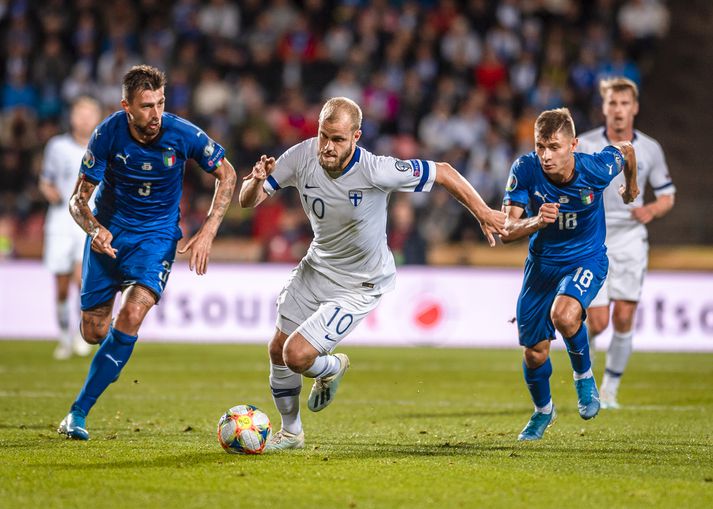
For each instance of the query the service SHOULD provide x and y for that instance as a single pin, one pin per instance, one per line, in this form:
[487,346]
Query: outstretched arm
[517,227]
[252,194]
[201,243]
[491,221]
[82,214]
[630,190]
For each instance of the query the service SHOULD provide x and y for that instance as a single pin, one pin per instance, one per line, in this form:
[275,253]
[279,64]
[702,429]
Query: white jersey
[651,169]
[348,214]
[60,167]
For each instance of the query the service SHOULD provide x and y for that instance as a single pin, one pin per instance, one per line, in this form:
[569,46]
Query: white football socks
[619,352]
[324,365]
[286,386]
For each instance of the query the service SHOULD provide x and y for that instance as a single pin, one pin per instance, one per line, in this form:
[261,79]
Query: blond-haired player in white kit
[344,191]
[627,241]
[64,240]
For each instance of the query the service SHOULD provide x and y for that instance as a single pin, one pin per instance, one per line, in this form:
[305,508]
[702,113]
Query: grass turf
[410,428]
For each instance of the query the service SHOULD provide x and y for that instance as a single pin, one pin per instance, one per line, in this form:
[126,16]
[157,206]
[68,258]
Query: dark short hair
[550,122]
[140,78]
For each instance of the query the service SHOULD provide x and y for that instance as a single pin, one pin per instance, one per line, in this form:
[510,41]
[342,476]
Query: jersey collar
[356,157]
[604,133]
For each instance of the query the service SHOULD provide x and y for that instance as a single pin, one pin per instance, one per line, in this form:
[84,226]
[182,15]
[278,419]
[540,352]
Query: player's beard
[146,130]
[335,167]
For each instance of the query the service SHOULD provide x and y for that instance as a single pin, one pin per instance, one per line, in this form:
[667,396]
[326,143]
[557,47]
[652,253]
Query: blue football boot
[537,425]
[587,397]
[74,425]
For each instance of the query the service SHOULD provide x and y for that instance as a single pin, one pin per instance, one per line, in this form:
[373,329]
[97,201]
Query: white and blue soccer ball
[244,429]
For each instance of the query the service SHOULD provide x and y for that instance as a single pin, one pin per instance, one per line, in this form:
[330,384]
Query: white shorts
[63,251]
[319,309]
[628,252]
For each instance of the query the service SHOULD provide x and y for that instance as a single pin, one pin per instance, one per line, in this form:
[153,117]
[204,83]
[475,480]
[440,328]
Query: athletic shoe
[285,440]
[74,425]
[608,400]
[587,397]
[81,347]
[537,425]
[62,352]
[325,389]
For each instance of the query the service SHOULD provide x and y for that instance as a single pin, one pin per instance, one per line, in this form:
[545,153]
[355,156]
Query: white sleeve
[659,177]
[51,162]
[285,172]
[414,175]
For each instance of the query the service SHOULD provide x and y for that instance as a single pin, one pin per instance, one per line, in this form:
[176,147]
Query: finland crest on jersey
[348,214]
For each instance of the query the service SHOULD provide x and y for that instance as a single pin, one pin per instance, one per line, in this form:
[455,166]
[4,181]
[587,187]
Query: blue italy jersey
[140,185]
[580,230]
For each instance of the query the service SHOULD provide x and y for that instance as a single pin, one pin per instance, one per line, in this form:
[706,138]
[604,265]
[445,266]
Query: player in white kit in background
[64,240]
[344,191]
[626,240]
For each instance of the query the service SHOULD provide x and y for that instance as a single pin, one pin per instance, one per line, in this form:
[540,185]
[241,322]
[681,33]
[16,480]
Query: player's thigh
[626,272]
[146,259]
[583,280]
[539,288]
[100,279]
[95,321]
[58,253]
[335,319]
[136,302]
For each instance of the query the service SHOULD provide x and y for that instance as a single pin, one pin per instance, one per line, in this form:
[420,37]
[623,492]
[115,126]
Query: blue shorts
[542,283]
[143,258]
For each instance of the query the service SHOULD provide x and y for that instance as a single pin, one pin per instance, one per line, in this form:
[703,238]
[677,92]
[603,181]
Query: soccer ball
[244,429]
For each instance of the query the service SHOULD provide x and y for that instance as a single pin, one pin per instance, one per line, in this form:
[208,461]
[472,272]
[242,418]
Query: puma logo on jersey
[123,157]
[307,186]
[541,196]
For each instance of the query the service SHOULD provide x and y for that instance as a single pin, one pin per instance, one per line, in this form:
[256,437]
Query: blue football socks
[538,382]
[578,350]
[111,357]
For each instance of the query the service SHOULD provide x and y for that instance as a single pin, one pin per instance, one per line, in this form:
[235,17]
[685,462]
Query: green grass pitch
[410,428]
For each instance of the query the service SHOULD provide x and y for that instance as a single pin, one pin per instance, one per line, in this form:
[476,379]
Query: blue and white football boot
[537,425]
[587,397]
[74,425]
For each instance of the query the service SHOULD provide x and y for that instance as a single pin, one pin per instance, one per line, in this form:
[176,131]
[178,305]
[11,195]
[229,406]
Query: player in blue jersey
[136,158]
[561,191]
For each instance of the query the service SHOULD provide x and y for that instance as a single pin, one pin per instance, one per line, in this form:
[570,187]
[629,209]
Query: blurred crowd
[458,81]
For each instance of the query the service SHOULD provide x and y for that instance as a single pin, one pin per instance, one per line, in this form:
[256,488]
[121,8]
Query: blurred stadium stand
[450,80]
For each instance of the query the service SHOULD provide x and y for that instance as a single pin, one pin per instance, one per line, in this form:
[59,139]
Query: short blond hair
[550,122]
[334,108]
[618,84]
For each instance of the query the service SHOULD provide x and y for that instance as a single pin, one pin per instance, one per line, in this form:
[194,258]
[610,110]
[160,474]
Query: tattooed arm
[82,214]
[201,242]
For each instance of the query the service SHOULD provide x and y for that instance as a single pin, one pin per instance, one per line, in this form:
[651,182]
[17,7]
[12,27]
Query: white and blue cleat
[325,389]
[74,425]
[537,425]
[587,397]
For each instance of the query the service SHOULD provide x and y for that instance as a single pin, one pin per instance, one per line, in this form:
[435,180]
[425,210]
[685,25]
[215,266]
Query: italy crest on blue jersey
[140,185]
[580,230]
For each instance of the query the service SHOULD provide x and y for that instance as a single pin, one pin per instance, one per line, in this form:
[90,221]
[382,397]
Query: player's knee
[566,321]
[93,333]
[597,324]
[295,360]
[130,318]
[534,358]
[623,321]
[274,349]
